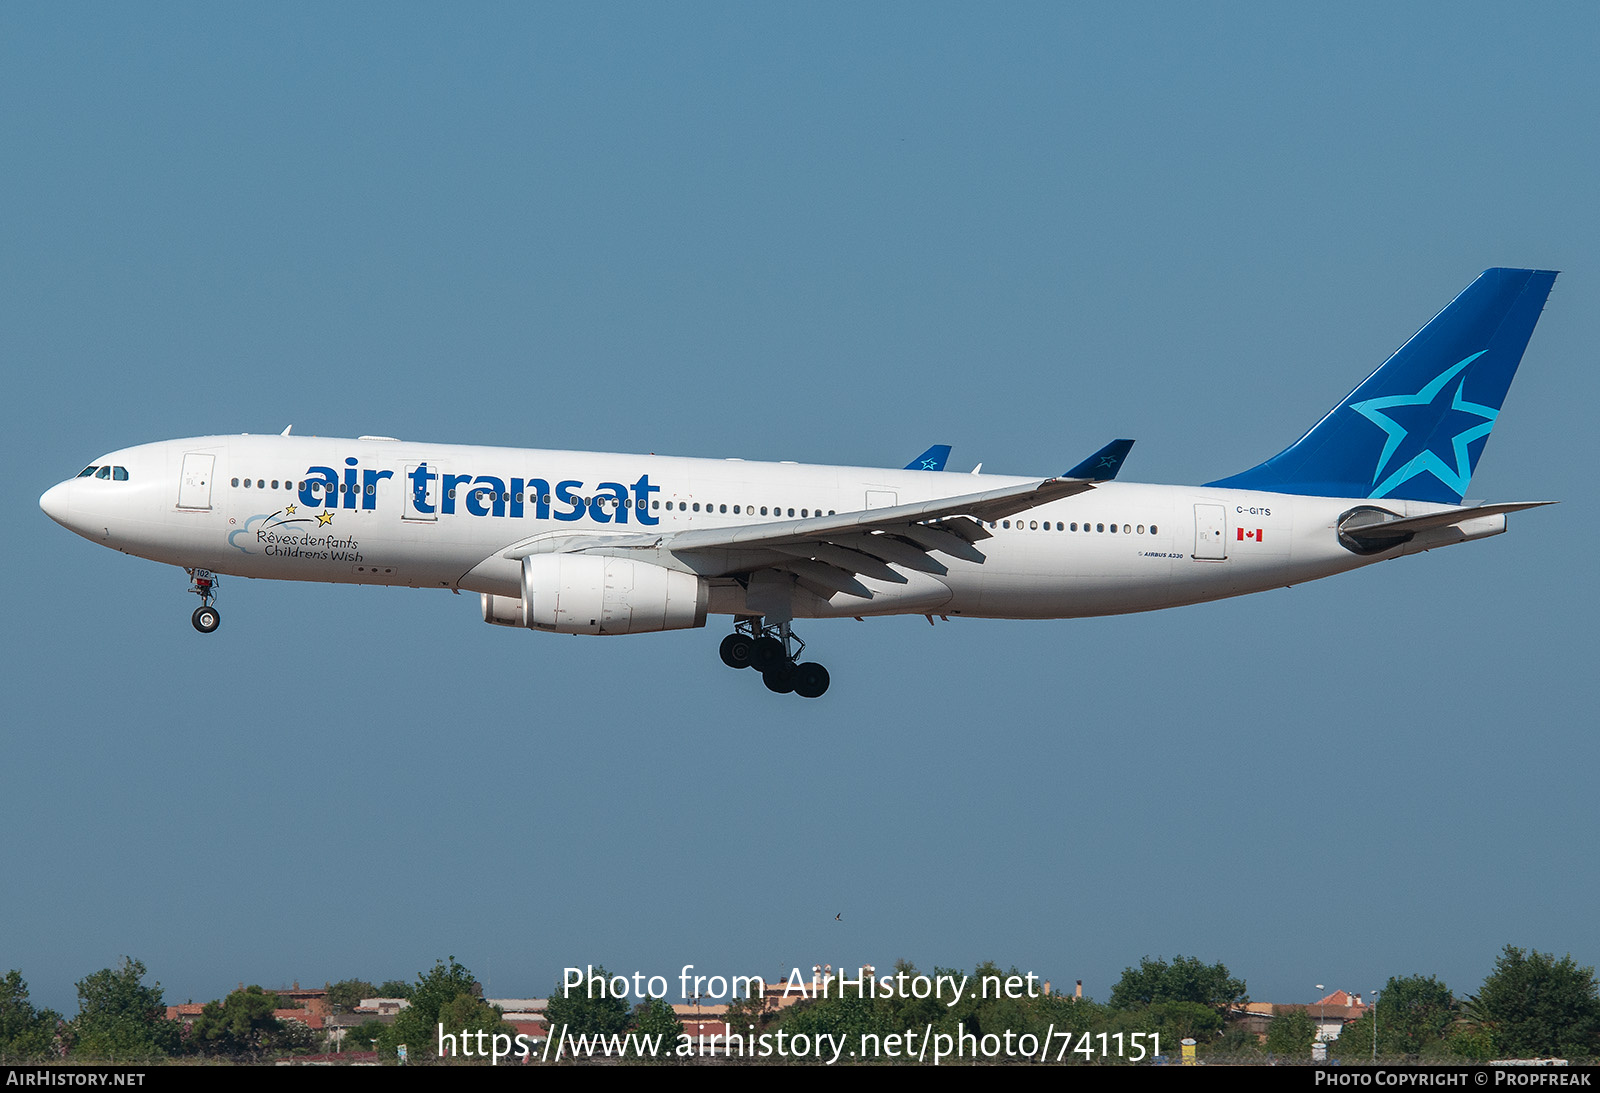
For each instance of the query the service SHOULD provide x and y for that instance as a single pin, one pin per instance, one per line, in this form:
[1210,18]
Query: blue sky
[816,233]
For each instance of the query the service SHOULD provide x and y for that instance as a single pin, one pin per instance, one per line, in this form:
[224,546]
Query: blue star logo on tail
[1417,423]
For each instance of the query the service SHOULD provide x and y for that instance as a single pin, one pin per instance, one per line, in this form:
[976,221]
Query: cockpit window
[87,471]
[103,472]
[119,474]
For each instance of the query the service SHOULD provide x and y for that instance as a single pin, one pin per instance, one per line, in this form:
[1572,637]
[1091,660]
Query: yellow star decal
[288,510]
[324,519]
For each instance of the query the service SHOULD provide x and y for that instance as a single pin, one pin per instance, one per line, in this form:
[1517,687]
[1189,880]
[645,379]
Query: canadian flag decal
[1251,534]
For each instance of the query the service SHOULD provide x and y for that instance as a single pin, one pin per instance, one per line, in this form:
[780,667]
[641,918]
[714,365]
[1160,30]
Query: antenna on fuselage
[286,429]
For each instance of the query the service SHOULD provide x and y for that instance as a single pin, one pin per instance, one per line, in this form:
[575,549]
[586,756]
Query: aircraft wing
[828,553]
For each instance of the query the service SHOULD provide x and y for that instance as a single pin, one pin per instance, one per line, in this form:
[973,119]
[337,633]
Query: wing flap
[888,548]
[817,574]
[850,561]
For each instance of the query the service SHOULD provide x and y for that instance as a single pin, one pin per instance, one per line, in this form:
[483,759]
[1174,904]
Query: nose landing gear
[774,651]
[203,583]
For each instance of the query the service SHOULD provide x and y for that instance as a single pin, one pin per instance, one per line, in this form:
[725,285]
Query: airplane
[600,543]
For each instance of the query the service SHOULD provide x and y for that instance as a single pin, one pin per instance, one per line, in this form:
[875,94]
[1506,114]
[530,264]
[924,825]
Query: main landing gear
[203,583]
[773,651]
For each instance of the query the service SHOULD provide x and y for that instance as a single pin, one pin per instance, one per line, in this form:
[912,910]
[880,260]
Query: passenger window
[1033,525]
[1152,529]
[1099,527]
[235,483]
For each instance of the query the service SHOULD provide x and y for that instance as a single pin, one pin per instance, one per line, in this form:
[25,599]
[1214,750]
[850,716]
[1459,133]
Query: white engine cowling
[588,594]
[502,610]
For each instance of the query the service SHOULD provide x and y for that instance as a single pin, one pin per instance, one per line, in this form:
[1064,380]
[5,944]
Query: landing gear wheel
[810,680]
[205,619]
[779,678]
[735,650]
[767,653]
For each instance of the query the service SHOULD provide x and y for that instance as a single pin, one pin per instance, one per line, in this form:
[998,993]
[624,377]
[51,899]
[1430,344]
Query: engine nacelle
[502,610]
[589,594]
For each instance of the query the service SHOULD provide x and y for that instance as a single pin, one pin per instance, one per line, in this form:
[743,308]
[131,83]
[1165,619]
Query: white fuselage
[445,516]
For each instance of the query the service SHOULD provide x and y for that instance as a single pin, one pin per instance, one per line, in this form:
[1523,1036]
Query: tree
[1175,1021]
[417,1026]
[1414,1015]
[394,988]
[345,995]
[1290,1034]
[243,1025]
[120,1018]
[750,1013]
[466,1015]
[25,1032]
[588,1007]
[1237,1042]
[1186,979]
[654,1017]
[362,1037]
[1535,1006]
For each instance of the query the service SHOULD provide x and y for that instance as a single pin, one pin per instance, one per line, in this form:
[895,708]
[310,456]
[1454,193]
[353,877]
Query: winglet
[931,460]
[1103,465]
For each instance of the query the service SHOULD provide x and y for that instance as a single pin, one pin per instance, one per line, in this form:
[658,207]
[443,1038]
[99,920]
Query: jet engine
[589,594]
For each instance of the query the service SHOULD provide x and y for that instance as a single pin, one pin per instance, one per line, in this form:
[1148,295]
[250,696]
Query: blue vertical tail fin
[933,459]
[1415,428]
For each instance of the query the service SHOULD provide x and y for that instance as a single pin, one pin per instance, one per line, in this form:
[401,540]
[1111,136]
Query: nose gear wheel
[203,583]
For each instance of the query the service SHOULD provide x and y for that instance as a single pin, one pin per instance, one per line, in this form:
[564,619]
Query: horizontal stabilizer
[1377,528]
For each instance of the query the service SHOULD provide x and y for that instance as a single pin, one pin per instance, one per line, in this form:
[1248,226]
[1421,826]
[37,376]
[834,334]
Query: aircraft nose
[56,504]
